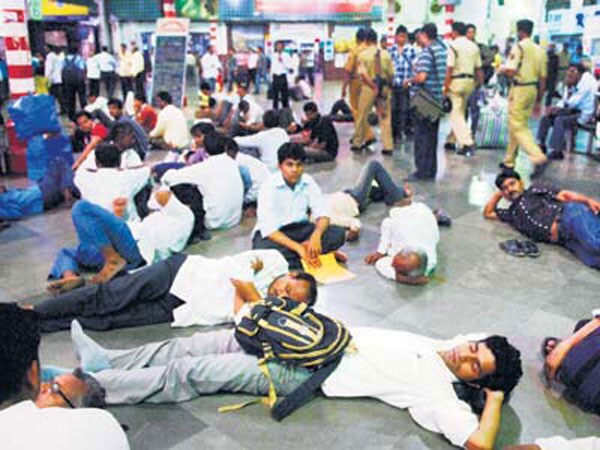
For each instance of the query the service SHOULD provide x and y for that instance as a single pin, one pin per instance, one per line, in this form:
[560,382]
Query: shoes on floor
[449,147]
[519,248]
[556,155]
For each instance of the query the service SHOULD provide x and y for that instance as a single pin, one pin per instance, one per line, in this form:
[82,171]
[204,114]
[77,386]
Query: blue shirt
[403,63]
[141,138]
[18,203]
[280,205]
[434,83]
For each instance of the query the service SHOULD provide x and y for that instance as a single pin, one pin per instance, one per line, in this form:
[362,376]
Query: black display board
[169,67]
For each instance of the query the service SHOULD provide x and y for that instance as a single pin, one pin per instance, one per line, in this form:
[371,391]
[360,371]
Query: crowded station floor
[476,288]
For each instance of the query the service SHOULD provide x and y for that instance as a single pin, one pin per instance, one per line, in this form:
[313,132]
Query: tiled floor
[479,288]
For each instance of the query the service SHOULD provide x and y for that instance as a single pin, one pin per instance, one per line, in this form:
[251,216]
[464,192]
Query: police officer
[376,72]
[352,80]
[463,73]
[526,67]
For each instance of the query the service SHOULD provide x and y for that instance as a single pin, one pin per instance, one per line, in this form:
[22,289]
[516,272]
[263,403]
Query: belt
[530,83]
[461,76]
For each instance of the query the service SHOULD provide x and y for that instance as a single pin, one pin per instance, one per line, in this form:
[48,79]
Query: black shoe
[443,219]
[387,152]
[556,155]
[356,149]
[513,247]
[544,148]
[369,142]
[505,167]
[466,151]
[539,169]
[530,248]
[449,147]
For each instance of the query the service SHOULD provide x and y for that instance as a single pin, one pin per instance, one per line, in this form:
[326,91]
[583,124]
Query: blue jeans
[212,82]
[260,76]
[374,171]
[96,228]
[580,233]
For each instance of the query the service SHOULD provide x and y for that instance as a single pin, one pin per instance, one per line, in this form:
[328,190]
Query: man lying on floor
[404,370]
[549,215]
[56,415]
[183,289]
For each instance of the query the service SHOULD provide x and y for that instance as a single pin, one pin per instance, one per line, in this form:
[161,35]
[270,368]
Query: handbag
[425,105]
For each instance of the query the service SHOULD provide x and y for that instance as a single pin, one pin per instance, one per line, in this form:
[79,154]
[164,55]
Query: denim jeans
[580,233]
[96,228]
[559,124]
[184,368]
[374,171]
[261,76]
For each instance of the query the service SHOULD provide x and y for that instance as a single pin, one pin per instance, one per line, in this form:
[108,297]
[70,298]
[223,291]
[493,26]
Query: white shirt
[582,98]
[137,63]
[105,185]
[53,67]
[560,443]
[281,63]
[255,113]
[404,370]
[163,232]
[125,61]
[413,226]
[220,183]
[268,142]
[24,426]
[107,62]
[100,103]
[343,210]
[171,125]
[93,67]
[204,284]
[210,65]
[252,61]
[259,172]
[129,159]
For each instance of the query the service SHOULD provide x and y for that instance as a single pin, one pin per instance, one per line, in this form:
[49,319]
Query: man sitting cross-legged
[185,290]
[56,415]
[284,202]
[402,369]
[549,215]
[407,248]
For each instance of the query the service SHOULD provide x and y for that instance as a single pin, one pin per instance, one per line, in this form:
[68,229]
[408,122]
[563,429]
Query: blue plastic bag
[40,151]
[34,115]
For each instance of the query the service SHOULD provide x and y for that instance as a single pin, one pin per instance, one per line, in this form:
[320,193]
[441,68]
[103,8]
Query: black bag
[580,373]
[289,332]
[425,105]
[71,73]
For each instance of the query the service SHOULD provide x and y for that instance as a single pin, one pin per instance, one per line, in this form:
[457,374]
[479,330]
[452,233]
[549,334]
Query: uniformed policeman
[463,74]
[376,73]
[352,80]
[526,66]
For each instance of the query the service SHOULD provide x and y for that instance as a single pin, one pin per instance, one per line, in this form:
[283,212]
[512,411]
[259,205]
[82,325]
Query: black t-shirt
[323,131]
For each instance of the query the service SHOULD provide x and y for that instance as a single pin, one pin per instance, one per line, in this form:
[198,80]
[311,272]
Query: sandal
[513,247]
[530,248]
[544,347]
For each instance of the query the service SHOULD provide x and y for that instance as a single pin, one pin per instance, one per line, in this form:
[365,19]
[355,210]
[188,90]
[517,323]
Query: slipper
[544,347]
[513,247]
[531,249]
[443,219]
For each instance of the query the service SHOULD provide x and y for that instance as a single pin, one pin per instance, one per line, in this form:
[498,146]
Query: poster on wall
[169,58]
[312,7]
[198,9]
[247,37]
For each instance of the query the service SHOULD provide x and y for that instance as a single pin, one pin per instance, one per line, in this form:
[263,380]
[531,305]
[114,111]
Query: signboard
[54,8]
[169,58]
[311,7]
[197,10]
[328,53]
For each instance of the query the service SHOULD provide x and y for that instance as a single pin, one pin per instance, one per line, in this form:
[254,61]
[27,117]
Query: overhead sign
[54,8]
[169,58]
[314,7]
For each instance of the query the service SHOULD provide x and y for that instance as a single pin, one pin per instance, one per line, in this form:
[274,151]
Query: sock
[92,356]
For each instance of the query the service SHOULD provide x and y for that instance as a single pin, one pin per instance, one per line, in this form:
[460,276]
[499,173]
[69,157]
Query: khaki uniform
[354,86]
[367,97]
[465,58]
[529,60]
[564,58]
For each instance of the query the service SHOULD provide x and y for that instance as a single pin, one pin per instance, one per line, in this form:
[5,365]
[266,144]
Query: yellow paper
[330,271]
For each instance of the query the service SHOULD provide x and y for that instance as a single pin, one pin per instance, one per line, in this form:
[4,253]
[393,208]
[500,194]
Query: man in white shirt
[108,65]
[269,141]
[93,73]
[211,67]
[281,65]
[252,66]
[560,443]
[138,70]
[404,370]
[97,106]
[125,70]
[50,424]
[407,247]
[185,290]
[171,130]
[219,181]
[53,72]
[123,136]
[576,107]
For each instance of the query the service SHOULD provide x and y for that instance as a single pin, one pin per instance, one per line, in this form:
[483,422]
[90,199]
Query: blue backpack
[580,373]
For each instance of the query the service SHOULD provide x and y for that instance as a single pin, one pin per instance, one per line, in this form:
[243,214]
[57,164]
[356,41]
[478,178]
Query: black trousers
[140,83]
[126,86]
[70,92]
[333,238]
[139,298]
[56,90]
[94,87]
[425,148]
[400,111]
[280,91]
[108,79]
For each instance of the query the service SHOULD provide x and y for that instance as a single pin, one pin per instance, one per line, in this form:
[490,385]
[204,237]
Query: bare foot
[340,256]
[65,284]
[111,267]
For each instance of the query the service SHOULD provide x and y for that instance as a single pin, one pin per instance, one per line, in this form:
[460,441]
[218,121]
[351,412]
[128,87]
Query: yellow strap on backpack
[269,401]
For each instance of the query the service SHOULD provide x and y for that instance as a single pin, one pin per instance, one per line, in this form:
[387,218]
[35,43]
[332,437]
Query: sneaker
[530,248]
[513,247]
[443,219]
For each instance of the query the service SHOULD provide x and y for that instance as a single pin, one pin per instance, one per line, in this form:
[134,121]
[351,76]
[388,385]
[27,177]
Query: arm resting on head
[485,435]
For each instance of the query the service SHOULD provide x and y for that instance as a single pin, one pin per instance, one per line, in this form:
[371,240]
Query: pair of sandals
[519,248]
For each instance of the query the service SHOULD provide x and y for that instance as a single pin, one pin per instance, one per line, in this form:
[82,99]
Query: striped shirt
[403,63]
[434,83]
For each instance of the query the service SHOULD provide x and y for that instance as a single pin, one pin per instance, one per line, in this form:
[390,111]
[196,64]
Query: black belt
[461,76]
[531,83]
